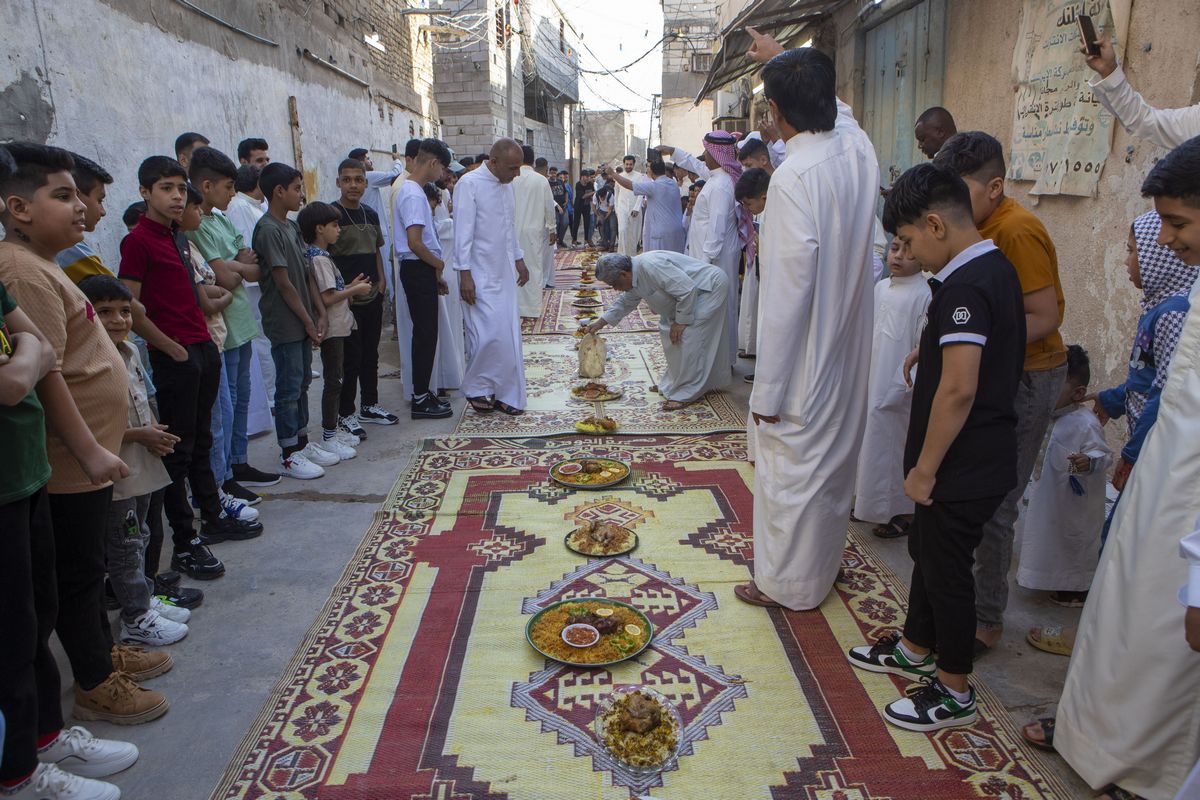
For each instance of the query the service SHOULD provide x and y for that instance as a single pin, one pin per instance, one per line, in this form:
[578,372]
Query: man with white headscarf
[689,297]
[720,228]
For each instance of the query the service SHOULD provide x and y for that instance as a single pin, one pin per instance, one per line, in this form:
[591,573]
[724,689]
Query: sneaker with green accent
[885,656]
[931,708]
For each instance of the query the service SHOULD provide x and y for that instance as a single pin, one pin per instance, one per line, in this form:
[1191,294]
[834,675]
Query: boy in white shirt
[900,305]
[1060,545]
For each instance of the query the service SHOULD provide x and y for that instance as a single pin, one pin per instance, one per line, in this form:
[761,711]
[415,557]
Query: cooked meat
[641,714]
[592,467]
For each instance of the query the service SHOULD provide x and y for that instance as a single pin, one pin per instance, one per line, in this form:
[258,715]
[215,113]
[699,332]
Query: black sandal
[1047,742]
[482,405]
[507,409]
[896,527]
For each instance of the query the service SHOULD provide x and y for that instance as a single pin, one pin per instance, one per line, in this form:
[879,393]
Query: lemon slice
[633,630]
[603,612]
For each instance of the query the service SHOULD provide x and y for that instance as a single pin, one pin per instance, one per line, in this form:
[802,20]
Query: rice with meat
[546,633]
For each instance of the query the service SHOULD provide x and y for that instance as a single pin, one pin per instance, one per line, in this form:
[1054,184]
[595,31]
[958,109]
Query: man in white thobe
[715,235]
[1131,702]
[663,226]
[491,267]
[535,226]
[404,328]
[629,217]
[690,297]
[814,342]
[450,361]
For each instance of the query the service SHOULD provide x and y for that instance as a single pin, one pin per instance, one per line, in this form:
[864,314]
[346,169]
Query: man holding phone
[1169,127]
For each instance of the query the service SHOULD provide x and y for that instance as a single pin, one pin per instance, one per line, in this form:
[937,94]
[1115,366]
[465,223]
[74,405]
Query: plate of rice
[624,631]
[640,728]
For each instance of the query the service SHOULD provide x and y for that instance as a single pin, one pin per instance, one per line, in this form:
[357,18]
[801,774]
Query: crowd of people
[766,247]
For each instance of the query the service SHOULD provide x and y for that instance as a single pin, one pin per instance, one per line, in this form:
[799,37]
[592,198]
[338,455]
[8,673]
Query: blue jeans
[237,373]
[293,374]
[222,430]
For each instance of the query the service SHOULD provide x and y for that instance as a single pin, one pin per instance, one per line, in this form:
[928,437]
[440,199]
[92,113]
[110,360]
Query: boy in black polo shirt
[960,458]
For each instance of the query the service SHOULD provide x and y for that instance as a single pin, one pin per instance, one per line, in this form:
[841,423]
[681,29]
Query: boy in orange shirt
[979,159]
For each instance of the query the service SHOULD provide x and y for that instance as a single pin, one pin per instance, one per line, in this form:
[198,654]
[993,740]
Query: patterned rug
[559,316]
[635,360]
[416,683]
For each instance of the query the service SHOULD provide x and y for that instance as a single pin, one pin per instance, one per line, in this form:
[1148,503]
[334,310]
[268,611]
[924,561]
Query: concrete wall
[1089,233]
[118,81]
[684,124]
[605,137]
[696,24]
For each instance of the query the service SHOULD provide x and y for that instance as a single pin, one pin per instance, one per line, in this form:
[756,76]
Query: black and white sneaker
[247,475]
[197,562]
[234,489]
[377,415]
[931,708]
[179,596]
[352,426]
[429,407]
[885,656]
[226,528]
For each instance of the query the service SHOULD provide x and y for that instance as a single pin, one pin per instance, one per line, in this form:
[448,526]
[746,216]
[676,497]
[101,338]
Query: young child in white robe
[1060,545]
[900,305]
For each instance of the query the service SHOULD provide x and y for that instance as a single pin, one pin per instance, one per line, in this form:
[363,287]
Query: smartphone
[1087,32]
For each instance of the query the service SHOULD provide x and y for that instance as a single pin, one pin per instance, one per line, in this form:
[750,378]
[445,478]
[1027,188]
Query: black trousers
[83,628]
[29,684]
[576,216]
[420,287]
[186,393]
[941,597]
[154,519]
[361,365]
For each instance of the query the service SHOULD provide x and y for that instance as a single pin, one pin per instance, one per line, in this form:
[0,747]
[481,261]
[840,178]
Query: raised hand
[763,46]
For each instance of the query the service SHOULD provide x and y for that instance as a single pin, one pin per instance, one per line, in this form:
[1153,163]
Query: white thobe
[662,228]
[713,235]
[449,362]
[374,199]
[690,292]
[1060,540]
[1130,709]
[814,355]
[535,223]
[900,305]
[1165,127]
[629,227]
[747,339]
[485,243]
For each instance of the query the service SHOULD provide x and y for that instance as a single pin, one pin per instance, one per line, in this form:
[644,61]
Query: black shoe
[168,579]
[110,597]
[180,596]
[226,528]
[247,475]
[197,562]
[748,378]
[377,415]
[429,407]
[234,489]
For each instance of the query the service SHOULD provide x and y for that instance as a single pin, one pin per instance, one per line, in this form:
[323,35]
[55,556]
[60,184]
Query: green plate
[632,545]
[616,603]
[554,475]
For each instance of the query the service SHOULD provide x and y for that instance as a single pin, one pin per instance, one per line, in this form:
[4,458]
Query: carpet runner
[415,681]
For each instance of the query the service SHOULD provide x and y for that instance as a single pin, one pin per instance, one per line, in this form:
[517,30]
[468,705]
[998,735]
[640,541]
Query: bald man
[491,266]
[933,128]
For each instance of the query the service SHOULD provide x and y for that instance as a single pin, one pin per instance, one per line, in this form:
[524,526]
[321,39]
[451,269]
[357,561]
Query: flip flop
[896,527]
[675,405]
[743,593]
[1049,639]
[481,405]
[1068,599]
[507,409]
[1046,743]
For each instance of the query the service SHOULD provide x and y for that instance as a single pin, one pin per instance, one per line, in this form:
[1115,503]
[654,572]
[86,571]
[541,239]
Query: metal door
[902,75]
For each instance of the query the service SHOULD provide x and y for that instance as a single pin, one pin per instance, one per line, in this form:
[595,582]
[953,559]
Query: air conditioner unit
[730,104]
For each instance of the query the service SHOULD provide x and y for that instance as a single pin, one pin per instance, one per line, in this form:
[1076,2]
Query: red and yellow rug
[416,682]
[559,315]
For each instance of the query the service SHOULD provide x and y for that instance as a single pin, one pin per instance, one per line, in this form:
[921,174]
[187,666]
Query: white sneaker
[322,458]
[154,629]
[347,438]
[298,467]
[48,782]
[238,509]
[76,750]
[173,613]
[344,452]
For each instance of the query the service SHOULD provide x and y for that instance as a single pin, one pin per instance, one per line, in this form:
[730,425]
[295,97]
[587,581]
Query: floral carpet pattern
[635,361]
[416,682]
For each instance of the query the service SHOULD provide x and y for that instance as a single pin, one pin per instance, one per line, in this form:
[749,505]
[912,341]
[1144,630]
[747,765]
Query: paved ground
[255,616]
